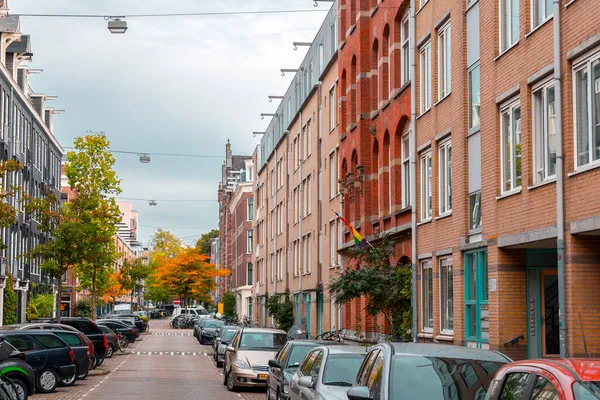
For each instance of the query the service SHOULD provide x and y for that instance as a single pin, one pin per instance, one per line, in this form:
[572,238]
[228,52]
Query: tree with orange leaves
[114,288]
[189,274]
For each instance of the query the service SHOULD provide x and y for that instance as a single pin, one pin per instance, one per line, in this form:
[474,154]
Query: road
[166,364]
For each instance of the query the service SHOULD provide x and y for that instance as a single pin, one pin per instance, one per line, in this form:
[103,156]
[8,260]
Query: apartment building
[374,114]
[508,151]
[26,125]
[295,189]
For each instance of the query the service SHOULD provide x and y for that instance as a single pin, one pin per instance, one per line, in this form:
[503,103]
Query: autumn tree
[189,274]
[114,288]
[163,246]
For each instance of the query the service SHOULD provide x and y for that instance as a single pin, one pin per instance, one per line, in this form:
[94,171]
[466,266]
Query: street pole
[413,165]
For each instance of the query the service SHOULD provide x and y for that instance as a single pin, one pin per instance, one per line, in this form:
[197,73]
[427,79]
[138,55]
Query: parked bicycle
[331,335]
[123,343]
[8,390]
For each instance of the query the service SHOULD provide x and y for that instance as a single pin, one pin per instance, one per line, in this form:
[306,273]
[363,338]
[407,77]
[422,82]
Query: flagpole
[352,230]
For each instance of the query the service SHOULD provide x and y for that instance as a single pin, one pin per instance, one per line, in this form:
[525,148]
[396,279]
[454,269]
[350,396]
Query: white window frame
[505,25]
[249,266]
[535,20]
[334,35]
[427,328]
[250,209]
[308,186]
[333,184]
[309,256]
[406,170]
[426,178]
[249,241]
[332,108]
[508,111]
[446,307]
[405,50]
[425,77]
[444,60]
[321,58]
[333,244]
[445,177]
[586,63]
[473,127]
[541,140]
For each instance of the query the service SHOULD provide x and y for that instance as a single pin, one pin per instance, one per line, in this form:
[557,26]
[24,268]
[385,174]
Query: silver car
[222,346]
[327,373]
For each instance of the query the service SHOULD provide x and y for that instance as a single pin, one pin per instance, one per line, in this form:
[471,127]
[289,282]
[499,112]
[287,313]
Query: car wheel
[81,376]
[110,351]
[47,381]
[69,381]
[219,364]
[99,361]
[224,376]
[21,389]
[230,383]
[278,395]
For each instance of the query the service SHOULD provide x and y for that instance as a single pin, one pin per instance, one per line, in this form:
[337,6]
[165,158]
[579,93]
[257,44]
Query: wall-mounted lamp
[360,169]
[296,44]
[275,97]
[373,131]
[284,70]
[263,115]
[116,25]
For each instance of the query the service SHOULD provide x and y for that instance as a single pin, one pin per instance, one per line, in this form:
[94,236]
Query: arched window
[353,92]
[386,67]
[375,179]
[344,103]
[375,84]
[354,190]
[386,182]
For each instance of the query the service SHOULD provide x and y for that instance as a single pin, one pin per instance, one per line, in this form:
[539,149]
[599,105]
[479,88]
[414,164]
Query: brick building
[489,118]
[374,118]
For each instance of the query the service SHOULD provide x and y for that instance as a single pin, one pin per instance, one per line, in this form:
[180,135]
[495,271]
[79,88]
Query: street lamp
[144,158]
[116,25]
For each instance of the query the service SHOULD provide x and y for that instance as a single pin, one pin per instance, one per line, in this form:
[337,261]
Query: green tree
[84,308]
[228,300]
[203,244]
[89,169]
[385,285]
[281,308]
[156,292]
[132,276]
[10,301]
[40,306]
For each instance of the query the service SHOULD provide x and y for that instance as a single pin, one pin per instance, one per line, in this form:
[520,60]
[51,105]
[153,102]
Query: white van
[199,311]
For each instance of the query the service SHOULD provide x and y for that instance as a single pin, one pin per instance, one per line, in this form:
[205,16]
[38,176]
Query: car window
[314,371]
[366,368]
[297,355]
[282,354]
[236,339]
[374,381]
[214,324]
[308,362]
[50,341]
[514,387]
[262,340]
[341,369]
[544,390]
[22,342]
[69,338]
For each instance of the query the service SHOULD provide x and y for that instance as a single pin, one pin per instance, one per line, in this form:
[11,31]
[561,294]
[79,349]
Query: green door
[297,308]
[476,300]
[307,305]
[319,313]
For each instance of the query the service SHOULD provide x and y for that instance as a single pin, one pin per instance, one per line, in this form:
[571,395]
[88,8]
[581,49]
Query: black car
[51,358]
[425,371]
[113,340]
[139,323]
[13,365]
[286,363]
[82,354]
[91,330]
[119,327]
[207,329]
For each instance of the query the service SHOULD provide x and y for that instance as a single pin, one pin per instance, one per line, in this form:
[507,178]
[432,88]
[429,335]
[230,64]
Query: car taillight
[105,341]
[72,356]
[133,331]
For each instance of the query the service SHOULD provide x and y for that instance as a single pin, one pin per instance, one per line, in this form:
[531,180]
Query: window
[334,35]
[50,341]
[474,97]
[509,24]
[309,193]
[476,298]
[425,77]
[406,171]
[374,381]
[541,10]
[332,109]
[510,146]
[515,386]
[422,3]
[289,111]
[426,296]
[475,211]
[544,140]
[405,62]
[587,111]
[544,390]
[446,296]
[445,177]
[250,209]
[426,186]
[444,61]
[333,179]
[321,58]
[250,241]
[309,253]
[333,243]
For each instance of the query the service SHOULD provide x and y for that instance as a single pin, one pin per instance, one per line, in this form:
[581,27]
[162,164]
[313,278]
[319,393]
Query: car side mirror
[306,382]
[230,348]
[359,393]
[274,364]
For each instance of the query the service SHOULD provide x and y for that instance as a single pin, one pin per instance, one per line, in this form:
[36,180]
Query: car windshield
[586,390]
[297,355]
[214,324]
[228,336]
[433,378]
[341,369]
[262,341]
[201,312]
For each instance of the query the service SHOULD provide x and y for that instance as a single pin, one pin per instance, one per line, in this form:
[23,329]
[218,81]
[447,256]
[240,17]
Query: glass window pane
[544,390]
[514,386]
[595,109]
[472,324]
[514,22]
[505,137]
[516,137]
[474,97]
[475,210]
[551,132]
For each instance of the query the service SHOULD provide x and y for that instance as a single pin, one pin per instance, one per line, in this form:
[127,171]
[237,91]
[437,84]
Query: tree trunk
[185,300]
[58,298]
[94,295]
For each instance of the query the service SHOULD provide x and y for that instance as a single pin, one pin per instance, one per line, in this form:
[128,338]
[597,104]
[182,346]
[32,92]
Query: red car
[548,379]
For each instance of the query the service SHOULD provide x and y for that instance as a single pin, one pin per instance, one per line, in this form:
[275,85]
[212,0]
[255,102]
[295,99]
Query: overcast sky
[170,85]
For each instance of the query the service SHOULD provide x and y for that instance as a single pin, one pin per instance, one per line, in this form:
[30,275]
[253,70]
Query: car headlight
[241,364]
[286,388]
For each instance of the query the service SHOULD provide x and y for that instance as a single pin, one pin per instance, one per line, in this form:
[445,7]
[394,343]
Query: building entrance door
[549,314]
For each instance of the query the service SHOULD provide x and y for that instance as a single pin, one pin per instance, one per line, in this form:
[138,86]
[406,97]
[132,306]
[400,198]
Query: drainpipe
[274,264]
[300,202]
[560,220]
[413,164]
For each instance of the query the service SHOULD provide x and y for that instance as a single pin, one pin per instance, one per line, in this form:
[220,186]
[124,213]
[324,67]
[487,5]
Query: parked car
[219,334]
[61,327]
[207,329]
[286,363]
[224,342]
[112,338]
[137,321]
[555,379]
[247,358]
[91,330]
[81,353]
[51,358]
[199,312]
[13,365]
[326,373]
[425,371]
[127,330]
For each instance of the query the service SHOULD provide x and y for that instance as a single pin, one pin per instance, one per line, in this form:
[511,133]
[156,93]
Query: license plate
[262,377]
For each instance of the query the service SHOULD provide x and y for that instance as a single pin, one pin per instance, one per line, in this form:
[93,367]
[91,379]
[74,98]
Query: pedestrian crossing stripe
[171,334]
[166,353]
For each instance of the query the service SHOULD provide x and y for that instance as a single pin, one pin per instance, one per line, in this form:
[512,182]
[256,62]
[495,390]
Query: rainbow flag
[359,240]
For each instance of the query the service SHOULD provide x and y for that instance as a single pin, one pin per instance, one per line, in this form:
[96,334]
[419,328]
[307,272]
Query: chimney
[22,79]
[10,63]
[39,103]
[228,156]
[49,119]
[3,8]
